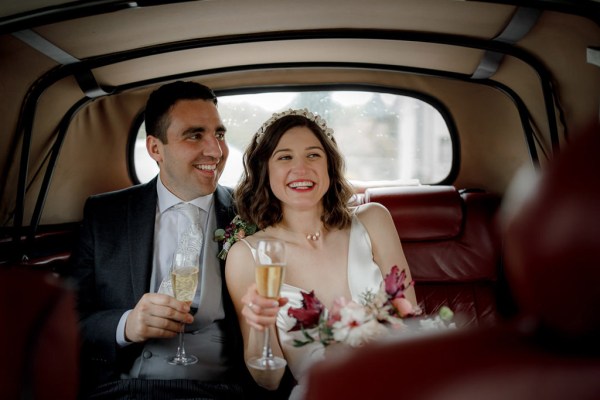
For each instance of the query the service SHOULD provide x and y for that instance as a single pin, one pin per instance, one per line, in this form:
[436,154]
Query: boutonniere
[236,230]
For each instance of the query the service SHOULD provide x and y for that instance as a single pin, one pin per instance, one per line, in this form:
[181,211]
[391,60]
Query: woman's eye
[285,158]
[314,155]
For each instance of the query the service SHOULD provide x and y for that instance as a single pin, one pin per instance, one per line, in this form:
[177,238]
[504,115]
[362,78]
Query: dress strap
[252,249]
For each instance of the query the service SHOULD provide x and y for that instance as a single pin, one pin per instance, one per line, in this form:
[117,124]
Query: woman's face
[298,169]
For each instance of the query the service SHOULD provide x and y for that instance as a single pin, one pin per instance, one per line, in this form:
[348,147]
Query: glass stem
[267,353]
[180,348]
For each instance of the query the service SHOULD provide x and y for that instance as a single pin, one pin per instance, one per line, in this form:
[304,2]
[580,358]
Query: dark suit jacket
[112,267]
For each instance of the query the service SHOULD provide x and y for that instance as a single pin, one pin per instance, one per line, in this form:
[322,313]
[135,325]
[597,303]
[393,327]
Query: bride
[293,189]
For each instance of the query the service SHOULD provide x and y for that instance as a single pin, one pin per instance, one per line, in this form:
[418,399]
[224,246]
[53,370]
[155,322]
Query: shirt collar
[166,199]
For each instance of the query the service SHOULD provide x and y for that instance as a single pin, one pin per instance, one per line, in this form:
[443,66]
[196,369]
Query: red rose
[309,314]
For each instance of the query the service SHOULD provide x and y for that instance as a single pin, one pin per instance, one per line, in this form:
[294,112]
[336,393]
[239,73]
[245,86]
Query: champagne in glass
[269,272]
[268,280]
[184,281]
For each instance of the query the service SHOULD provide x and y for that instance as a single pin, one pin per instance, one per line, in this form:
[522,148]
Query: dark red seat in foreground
[39,336]
[549,351]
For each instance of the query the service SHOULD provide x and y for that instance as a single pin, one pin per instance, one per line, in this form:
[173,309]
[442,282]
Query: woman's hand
[260,312]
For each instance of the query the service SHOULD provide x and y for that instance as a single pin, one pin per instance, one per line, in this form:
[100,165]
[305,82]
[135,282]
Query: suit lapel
[141,215]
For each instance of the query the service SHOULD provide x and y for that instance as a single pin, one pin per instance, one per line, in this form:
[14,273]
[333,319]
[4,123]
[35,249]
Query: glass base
[178,360]
[264,363]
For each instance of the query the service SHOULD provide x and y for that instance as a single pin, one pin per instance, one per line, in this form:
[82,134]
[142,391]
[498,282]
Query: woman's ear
[155,148]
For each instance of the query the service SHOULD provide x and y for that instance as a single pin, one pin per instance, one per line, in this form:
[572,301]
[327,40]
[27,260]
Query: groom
[126,246]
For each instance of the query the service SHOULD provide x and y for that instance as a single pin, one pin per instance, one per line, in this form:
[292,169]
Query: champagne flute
[270,258]
[184,281]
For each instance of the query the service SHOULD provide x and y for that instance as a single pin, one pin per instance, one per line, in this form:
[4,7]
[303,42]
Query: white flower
[357,326]
[436,323]
[380,297]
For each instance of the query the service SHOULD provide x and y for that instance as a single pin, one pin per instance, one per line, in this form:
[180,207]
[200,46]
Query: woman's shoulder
[369,211]
[243,249]
[247,243]
[376,219]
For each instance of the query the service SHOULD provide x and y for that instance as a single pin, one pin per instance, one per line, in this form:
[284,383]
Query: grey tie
[190,240]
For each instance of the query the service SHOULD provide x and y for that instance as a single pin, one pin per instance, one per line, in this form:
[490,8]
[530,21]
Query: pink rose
[403,306]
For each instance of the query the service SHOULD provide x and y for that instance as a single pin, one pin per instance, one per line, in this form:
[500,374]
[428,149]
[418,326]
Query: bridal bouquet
[355,324]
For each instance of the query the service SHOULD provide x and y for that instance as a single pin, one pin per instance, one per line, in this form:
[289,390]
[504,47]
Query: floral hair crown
[301,112]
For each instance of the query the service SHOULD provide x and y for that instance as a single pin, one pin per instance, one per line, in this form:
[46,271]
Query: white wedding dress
[363,274]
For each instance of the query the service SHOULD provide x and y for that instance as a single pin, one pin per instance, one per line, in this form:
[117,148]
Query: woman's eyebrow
[307,148]
[315,148]
[280,150]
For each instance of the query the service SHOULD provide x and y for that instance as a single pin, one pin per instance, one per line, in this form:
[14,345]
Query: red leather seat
[39,336]
[451,246]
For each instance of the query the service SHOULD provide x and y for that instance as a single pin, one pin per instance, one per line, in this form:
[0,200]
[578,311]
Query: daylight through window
[384,137]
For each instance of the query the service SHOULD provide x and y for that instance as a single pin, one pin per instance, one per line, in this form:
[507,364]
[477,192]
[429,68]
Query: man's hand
[156,316]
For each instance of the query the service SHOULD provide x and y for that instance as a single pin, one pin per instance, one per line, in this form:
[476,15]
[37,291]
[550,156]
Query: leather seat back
[451,245]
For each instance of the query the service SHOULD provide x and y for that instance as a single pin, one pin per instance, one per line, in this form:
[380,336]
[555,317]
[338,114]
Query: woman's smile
[301,185]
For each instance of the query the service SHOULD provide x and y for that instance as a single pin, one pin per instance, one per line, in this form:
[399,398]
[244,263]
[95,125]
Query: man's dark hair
[162,99]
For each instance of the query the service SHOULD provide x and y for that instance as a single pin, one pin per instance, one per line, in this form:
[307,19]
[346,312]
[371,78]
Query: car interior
[439,106]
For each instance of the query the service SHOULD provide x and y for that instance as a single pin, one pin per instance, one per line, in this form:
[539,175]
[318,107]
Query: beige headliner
[93,157]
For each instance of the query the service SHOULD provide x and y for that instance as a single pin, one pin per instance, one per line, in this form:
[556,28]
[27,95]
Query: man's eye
[220,135]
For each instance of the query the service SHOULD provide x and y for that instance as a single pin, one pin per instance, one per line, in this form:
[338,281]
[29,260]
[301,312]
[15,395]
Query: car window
[394,138]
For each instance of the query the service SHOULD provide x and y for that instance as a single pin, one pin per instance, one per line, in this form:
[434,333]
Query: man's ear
[155,148]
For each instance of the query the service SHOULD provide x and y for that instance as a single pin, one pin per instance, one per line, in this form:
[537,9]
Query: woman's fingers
[260,311]
[258,317]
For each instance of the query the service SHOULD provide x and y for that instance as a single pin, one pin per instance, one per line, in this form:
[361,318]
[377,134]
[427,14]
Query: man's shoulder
[117,195]
[225,189]
[224,195]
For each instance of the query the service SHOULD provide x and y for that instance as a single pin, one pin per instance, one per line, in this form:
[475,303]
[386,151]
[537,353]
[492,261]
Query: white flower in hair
[301,112]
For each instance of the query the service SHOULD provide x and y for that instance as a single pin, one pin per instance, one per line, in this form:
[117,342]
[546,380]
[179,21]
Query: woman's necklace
[313,236]
[309,236]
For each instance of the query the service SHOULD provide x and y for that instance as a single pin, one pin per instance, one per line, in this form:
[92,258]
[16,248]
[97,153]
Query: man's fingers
[167,301]
[156,316]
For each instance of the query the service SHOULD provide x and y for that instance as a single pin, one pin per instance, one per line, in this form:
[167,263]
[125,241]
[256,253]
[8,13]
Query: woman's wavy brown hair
[253,196]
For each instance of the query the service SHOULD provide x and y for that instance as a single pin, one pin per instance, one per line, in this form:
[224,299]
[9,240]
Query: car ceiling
[102,47]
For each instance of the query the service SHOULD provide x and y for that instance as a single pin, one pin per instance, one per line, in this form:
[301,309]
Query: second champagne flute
[269,270]
[184,281]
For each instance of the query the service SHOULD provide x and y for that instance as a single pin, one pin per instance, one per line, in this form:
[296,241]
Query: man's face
[194,156]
